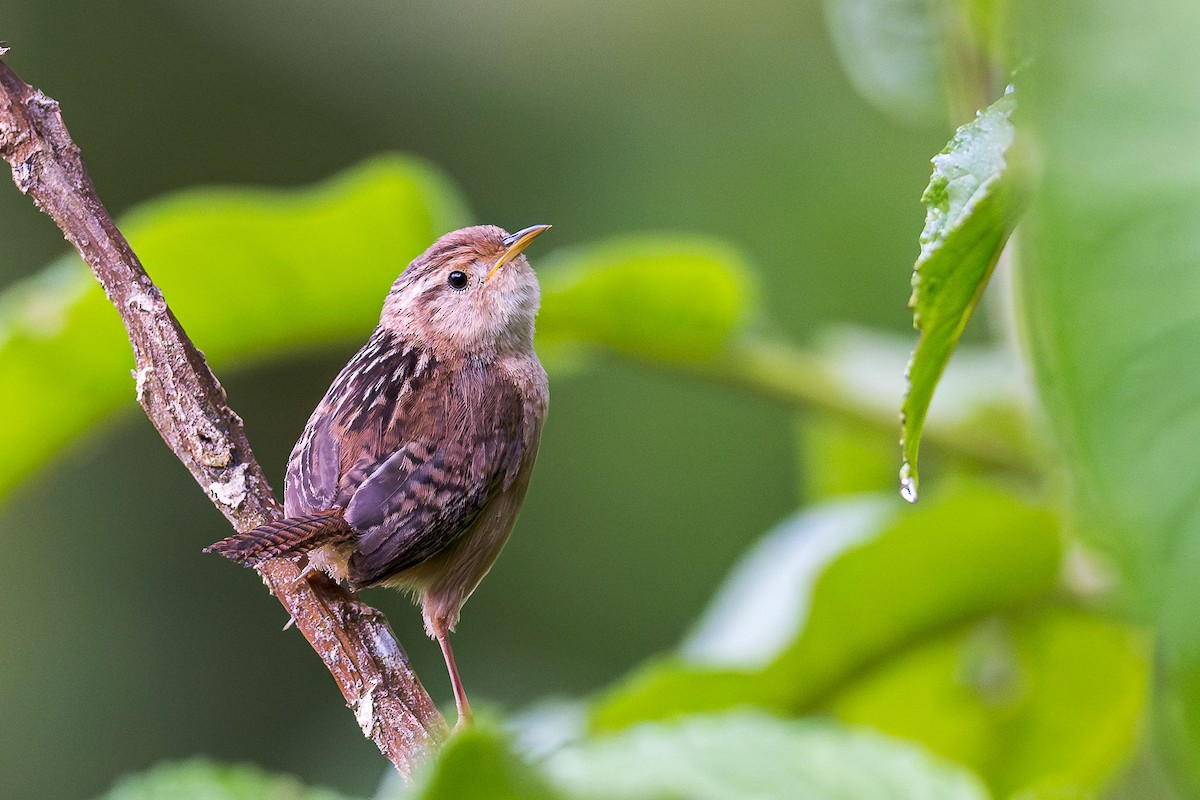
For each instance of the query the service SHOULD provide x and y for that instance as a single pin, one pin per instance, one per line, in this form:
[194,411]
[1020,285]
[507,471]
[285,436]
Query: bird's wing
[442,475]
[411,449]
[413,507]
[313,470]
[343,440]
[424,447]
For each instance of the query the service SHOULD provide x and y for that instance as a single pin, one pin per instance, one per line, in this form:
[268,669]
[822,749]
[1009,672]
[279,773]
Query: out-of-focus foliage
[998,693]
[754,755]
[891,50]
[977,400]
[921,60]
[261,273]
[247,272]
[663,298]
[701,758]
[201,780]
[1110,296]
[954,558]
[966,648]
[479,764]
[961,644]
[971,209]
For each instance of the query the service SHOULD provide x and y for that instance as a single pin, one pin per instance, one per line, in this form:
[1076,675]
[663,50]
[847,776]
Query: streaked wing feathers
[313,471]
[410,511]
[421,449]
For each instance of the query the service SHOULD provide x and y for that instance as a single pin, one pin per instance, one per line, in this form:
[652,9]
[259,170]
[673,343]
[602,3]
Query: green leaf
[478,763]
[972,205]
[255,273]
[247,272]
[975,550]
[767,600]
[741,755]
[200,780]
[920,571]
[998,695]
[754,756]
[937,624]
[890,51]
[916,60]
[977,401]
[669,687]
[1110,292]
[657,298]
[839,458]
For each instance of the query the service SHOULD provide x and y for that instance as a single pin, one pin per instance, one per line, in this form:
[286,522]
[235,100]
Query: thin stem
[791,377]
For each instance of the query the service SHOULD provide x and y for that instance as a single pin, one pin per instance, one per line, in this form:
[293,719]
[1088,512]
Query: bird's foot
[309,570]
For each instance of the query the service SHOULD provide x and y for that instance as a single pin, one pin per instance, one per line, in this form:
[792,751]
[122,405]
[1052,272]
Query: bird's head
[472,291]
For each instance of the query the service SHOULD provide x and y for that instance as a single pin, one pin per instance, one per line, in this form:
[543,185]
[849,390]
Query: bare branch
[187,405]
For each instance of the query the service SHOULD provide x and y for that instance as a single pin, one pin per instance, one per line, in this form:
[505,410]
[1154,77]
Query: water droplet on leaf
[908,483]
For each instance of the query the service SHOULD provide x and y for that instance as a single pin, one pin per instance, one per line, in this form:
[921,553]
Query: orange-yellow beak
[516,242]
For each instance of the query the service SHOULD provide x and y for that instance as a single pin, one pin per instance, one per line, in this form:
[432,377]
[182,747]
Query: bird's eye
[457,280]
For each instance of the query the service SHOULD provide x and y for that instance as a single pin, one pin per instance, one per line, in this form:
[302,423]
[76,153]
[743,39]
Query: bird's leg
[460,694]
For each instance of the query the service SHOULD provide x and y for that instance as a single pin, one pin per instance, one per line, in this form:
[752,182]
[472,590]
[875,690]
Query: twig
[793,378]
[187,405]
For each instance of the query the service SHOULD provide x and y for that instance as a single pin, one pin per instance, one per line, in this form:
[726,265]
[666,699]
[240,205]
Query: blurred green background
[121,645]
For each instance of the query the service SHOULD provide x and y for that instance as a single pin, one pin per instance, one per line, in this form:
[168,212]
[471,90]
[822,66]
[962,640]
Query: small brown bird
[413,466]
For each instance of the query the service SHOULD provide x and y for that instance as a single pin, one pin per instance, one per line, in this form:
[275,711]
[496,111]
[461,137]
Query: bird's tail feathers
[286,537]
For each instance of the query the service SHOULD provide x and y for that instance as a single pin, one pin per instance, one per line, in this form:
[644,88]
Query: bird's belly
[443,582]
[465,562]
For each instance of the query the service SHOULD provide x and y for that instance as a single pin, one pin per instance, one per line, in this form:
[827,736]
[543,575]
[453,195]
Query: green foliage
[890,50]
[753,755]
[972,206]
[942,627]
[970,552]
[978,408]
[916,60]
[247,272]
[949,626]
[661,298]
[719,756]
[258,273]
[842,459]
[1109,290]
[478,764]
[959,556]
[200,780]
[997,695]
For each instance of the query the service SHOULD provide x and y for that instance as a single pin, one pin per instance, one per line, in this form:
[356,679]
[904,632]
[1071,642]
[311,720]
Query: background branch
[798,379]
[188,406]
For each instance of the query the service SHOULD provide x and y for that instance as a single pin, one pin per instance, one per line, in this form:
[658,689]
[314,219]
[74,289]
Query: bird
[411,470]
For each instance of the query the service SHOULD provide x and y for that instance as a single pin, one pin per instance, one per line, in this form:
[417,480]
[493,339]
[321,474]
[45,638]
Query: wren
[412,468]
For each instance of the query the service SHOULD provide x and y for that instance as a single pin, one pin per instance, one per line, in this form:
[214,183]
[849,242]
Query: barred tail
[286,537]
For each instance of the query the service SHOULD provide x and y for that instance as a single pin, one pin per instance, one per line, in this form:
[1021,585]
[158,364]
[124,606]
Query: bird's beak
[516,242]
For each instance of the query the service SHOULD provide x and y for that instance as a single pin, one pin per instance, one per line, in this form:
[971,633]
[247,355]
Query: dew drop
[908,483]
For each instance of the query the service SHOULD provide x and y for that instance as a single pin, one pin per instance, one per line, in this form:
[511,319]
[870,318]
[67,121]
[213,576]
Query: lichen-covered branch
[186,403]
